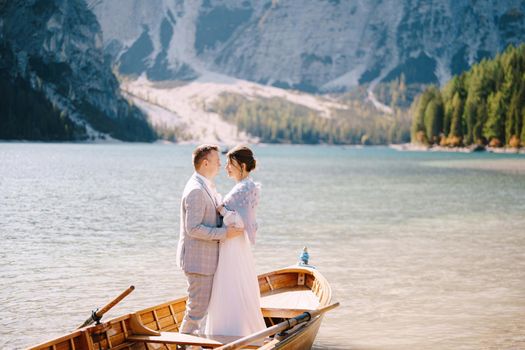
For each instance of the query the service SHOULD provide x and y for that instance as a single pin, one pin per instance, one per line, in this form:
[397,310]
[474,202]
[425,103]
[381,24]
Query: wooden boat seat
[293,299]
[143,334]
[281,313]
[288,303]
[175,338]
[208,341]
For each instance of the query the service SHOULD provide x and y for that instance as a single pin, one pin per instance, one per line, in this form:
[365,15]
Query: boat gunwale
[54,341]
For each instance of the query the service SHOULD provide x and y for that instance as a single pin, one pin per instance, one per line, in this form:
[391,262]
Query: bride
[234,307]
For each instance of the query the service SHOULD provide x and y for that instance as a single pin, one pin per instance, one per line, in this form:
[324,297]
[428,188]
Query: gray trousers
[199,293]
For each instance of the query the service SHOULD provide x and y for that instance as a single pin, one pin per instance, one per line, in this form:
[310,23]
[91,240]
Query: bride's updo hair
[242,155]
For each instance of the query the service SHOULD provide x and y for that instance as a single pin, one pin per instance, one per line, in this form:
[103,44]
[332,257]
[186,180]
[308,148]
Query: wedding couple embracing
[214,249]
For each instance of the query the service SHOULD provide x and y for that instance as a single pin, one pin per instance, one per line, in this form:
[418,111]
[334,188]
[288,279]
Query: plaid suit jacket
[198,248]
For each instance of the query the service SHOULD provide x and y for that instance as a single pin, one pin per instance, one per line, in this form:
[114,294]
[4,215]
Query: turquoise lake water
[423,250]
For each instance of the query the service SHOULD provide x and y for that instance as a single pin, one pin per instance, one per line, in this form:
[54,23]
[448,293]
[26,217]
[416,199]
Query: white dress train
[234,307]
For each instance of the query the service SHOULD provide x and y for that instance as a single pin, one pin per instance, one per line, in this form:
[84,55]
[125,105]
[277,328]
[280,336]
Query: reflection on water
[421,253]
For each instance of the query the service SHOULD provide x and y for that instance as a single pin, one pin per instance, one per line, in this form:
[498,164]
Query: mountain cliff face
[308,45]
[55,48]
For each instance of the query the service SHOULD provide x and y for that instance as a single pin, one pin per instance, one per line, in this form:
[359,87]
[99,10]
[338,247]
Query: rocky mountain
[314,46]
[51,51]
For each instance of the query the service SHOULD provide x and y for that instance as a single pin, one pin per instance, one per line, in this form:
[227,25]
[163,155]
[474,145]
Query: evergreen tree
[455,86]
[523,127]
[481,113]
[418,123]
[493,129]
[456,115]
[512,121]
[470,117]
[434,119]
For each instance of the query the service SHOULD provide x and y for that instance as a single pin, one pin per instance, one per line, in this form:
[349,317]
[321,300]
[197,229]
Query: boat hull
[304,339]
[285,293]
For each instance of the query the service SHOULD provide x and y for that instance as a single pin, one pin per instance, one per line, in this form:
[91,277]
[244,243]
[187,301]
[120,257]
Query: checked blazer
[198,248]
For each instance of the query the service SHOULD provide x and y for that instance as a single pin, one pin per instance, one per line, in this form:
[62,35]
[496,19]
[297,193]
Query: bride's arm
[231,217]
[232,200]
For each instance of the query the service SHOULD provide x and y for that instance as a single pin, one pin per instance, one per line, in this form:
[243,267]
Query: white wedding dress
[234,307]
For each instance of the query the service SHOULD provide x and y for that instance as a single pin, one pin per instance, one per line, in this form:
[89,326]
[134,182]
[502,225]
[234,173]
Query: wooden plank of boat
[281,313]
[291,299]
[209,341]
[175,338]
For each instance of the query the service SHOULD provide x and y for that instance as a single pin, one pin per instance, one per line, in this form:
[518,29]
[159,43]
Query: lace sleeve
[255,195]
[236,197]
[246,196]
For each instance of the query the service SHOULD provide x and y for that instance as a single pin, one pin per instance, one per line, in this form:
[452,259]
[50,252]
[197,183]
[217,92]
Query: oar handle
[95,316]
[322,310]
[304,317]
[114,302]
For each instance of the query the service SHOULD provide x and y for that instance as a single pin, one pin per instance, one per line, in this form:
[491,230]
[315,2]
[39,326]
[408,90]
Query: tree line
[26,113]
[277,120]
[483,106]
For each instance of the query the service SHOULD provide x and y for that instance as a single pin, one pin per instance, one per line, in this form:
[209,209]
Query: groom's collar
[209,187]
[207,182]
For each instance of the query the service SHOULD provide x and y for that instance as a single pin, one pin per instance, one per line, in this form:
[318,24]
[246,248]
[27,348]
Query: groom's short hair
[201,152]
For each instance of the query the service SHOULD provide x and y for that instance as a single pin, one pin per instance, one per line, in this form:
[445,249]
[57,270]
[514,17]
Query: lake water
[423,250]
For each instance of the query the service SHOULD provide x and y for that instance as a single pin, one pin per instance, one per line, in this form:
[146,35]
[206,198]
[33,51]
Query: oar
[302,318]
[97,315]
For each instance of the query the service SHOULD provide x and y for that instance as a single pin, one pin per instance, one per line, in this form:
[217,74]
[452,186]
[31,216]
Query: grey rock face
[309,45]
[59,48]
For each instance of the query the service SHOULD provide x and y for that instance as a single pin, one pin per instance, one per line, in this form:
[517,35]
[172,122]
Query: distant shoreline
[405,147]
[410,147]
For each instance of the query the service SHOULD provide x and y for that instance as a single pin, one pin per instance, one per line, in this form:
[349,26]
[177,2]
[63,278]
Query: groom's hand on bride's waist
[232,231]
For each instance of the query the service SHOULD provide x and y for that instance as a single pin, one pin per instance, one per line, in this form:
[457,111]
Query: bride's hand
[232,231]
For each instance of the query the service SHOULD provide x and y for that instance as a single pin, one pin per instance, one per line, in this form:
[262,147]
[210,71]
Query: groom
[200,233]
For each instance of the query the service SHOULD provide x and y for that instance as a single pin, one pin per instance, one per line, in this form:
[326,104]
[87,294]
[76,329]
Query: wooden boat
[293,302]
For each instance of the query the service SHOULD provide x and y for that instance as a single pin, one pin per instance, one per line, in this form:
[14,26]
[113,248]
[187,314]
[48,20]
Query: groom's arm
[195,208]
